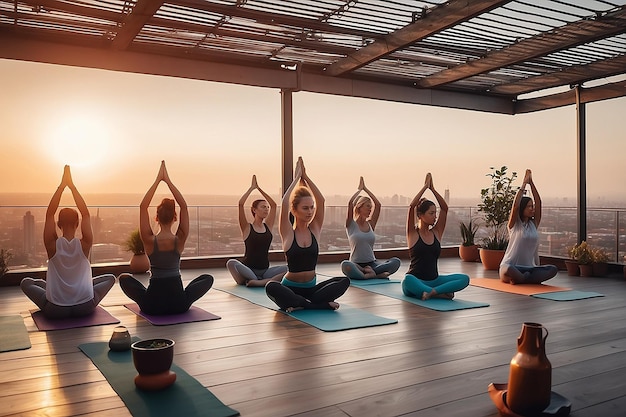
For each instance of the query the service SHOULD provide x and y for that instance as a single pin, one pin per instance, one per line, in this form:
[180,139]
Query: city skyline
[114,128]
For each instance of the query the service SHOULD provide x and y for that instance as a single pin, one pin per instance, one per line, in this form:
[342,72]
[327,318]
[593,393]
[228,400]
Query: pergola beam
[573,34]
[139,15]
[435,20]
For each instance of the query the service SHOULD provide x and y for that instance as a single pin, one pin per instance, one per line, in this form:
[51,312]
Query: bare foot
[427,295]
[292,309]
[384,275]
[445,295]
[333,305]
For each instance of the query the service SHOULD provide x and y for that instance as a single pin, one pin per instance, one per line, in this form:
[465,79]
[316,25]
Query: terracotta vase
[572,268]
[530,375]
[600,269]
[139,264]
[152,359]
[469,253]
[491,258]
[586,270]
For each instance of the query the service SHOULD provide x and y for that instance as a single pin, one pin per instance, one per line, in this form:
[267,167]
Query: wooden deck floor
[263,363]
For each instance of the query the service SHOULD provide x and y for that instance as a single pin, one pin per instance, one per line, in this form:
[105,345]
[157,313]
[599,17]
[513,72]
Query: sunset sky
[114,128]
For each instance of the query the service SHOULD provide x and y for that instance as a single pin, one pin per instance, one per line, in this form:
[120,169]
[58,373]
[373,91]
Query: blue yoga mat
[393,289]
[344,318]
[187,397]
[568,295]
[373,281]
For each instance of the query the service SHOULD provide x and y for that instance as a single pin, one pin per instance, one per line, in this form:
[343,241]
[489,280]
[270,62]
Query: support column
[581,214]
[286,105]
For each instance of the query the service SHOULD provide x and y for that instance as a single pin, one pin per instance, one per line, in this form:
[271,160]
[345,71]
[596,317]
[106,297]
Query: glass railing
[214,231]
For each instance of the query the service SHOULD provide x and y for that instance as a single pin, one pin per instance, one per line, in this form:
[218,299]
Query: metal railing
[214,230]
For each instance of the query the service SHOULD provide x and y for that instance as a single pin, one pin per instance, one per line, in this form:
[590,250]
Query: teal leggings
[415,287]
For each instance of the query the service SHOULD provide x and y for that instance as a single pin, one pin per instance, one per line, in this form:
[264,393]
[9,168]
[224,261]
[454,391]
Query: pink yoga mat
[100,316]
[193,314]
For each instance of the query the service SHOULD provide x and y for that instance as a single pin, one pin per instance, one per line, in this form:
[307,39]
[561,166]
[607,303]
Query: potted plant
[5,257]
[582,254]
[600,262]
[139,262]
[468,251]
[496,203]
[152,359]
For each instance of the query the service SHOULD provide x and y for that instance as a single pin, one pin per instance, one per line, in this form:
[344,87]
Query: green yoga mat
[568,295]
[187,397]
[393,289]
[13,334]
[327,320]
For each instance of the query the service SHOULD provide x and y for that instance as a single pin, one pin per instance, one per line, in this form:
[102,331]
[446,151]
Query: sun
[80,141]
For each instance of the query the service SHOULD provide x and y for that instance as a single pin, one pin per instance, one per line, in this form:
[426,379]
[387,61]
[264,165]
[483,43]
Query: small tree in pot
[139,262]
[468,251]
[496,203]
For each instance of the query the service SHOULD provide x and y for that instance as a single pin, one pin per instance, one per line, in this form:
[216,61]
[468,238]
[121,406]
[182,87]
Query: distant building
[446,196]
[29,233]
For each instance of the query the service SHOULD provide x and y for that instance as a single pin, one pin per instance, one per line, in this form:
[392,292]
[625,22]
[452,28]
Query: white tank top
[69,280]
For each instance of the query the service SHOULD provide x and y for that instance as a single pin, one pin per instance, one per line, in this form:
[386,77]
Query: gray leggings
[35,289]
[238,270]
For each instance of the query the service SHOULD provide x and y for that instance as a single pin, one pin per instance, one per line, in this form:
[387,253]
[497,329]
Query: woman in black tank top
[255,270]
[298,289]
[165,293]
[423,239]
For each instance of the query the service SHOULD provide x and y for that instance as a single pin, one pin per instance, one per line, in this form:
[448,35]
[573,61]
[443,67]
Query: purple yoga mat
[193,314]
[100,316]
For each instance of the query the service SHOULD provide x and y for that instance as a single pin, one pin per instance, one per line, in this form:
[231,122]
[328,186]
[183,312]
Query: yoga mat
[13,334]
[344,318]
[187,397]
[522,289]
[568,295]
[394,290]
[193,314]
[373,281]
[100,316]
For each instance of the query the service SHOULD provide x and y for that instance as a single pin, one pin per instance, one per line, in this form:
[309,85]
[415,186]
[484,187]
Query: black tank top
[257,248]
[302,259]
[424,259]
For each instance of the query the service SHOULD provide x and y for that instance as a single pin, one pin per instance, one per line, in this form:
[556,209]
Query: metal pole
[582,167]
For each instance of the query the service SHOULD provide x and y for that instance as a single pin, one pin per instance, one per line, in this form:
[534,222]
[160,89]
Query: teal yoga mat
[327,320]
[13,334]
[187,397]
[568,295]
[373,281]
[393,289]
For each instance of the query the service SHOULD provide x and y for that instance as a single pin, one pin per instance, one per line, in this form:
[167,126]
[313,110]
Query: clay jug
[530,376]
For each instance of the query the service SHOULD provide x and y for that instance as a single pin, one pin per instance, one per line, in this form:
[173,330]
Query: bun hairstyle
[297,195]
[423,205]
[67,217]
[522,206]
[166,211]
[360,202]
[255,205]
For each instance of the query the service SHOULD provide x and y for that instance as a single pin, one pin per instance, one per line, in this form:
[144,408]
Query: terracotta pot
[600,269]
[491,258]
[586,270]
[469,253]
[572,268]
[139,264]
[530,377]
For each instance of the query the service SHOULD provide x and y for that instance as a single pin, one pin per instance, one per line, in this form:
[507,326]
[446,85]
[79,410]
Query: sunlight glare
[79,141]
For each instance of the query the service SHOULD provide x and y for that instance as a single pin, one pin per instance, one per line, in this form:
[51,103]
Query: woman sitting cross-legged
[363,213]
[299,289]
[423,279]
[520,264]
[69,289]
[165,293]
[255,270]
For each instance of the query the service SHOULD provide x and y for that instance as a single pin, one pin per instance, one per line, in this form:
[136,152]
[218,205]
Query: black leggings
[313,298]
[165,295]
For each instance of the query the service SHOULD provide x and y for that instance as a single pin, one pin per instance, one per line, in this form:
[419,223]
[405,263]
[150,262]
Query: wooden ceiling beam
[84,11]
[568,36]
[139,15]
[435,20]
[587,95]
[572,75]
